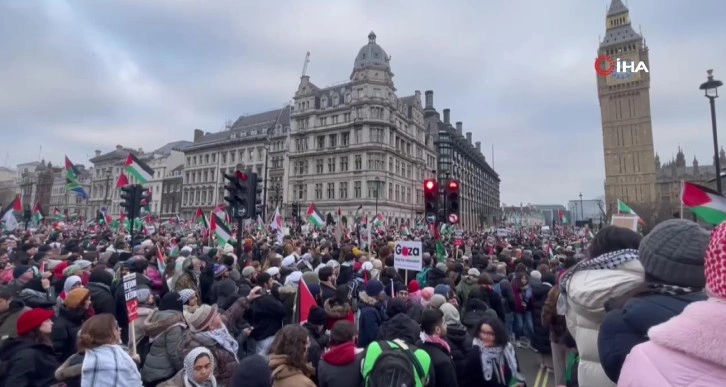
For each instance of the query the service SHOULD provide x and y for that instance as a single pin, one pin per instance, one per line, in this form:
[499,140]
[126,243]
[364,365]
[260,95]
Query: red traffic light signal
[453,185]
[429,185]
[240,175]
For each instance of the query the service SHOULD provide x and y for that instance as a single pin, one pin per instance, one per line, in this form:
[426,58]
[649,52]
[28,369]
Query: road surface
[529,363]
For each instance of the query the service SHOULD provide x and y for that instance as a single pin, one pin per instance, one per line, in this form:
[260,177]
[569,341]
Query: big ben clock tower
[627,133]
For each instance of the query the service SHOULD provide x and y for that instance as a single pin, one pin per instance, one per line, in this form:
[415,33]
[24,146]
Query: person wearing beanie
[687,349]
[436,301]
[437,275]
[371,312]
[166,326]
[672,255]
[99,285]
[71,315]
[29,358]
[467,284]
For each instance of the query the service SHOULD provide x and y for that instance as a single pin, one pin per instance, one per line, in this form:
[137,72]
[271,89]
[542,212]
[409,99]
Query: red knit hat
[32,320]
[413,286]
[715,263]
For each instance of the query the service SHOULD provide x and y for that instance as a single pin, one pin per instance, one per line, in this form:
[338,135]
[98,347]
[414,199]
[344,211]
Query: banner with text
[408,255]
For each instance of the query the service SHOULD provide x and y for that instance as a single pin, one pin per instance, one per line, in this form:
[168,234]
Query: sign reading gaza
[408,255]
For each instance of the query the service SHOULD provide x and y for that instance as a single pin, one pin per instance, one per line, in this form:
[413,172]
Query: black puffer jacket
[436,277]
[461,343]
[267,316]
[541,338]
[29,364]
[65,331]
[102,298]
[623,329]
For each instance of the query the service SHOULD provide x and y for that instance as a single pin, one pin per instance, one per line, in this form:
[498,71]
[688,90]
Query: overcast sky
[77,76]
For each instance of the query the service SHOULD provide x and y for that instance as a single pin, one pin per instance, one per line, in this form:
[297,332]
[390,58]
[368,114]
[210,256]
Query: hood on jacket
[159,321]
[456,334]
[342,355]
[287,290]
[365,299]
[71,368]
[337,311]
[642,313]
[400,327]
[693,332]
[75,316]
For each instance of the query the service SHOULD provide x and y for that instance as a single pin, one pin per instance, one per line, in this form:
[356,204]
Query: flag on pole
[314,217]
[8,214]
[625,209]
[221,231]
[37,214]
[72,183]
[201,218]
[304,302]
[122,181]
[276,221]
[138,169]
[706,203]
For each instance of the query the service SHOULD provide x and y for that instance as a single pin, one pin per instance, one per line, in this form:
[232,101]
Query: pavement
[529,363]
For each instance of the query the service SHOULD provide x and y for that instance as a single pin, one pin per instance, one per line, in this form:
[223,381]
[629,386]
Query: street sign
[129,283]
[431,218]
[453,219]
[459,238]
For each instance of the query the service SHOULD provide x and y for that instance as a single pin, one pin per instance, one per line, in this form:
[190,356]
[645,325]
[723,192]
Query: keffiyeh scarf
[608,261]
[189,361]
[495,359]
[109,365]
[222,337]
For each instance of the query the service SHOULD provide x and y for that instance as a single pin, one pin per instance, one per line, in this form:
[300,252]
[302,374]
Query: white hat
[473,272]
[333,263]
[293,278]
[366,266]
[288,261]
[536,274]
[273,271]
[227,249]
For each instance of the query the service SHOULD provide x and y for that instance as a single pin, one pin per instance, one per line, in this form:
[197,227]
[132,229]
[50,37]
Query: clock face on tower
[627,75]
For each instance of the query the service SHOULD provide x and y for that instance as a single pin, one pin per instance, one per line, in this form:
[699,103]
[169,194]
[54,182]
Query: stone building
[460,159]
[358,143]
[627,132]
[244,142]
[171,193]
[670,177]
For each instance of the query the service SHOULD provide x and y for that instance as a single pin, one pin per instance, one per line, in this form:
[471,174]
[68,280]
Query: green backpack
[423,277]
[395,364]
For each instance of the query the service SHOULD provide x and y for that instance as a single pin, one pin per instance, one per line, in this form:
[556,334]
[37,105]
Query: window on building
[331,164]
[343,187]
[319,142]
[377,135]
[344,163]
[318,191]
[344,139]
[346,117]
[358,133]
[336,100]
[333,140]
[319,166]
[390,191]
[334,119]
[323,121]
[357,189]
[397,194]
[358,162]
[331,190]
[324,102]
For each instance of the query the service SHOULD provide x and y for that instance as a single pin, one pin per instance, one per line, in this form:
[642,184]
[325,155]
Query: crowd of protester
[622,310]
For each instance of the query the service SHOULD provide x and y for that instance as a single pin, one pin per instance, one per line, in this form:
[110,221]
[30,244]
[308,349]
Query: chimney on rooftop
[119,147]
[429,99]
[447,115]
[98,152]
[478,146]
[468,137]
[198,134]
[459,127]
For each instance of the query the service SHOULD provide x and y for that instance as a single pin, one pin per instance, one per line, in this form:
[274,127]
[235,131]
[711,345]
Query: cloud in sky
[84,75]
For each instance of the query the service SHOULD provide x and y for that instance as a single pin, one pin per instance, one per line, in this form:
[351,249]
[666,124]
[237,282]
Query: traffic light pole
[238,237]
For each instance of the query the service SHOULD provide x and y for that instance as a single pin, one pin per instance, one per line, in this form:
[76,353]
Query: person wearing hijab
[198,370]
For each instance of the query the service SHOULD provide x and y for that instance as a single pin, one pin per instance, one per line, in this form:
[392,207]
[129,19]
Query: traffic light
[255,196]
[294,209]
[143,199]
[431,197]
[128,197]
[234,187]
[452,200]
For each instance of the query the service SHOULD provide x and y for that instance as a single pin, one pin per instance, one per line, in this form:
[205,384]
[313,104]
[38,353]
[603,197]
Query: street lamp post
[108,188]
[710,88]
[582,211]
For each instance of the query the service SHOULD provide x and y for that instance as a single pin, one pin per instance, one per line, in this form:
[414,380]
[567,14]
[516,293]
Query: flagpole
[681,198]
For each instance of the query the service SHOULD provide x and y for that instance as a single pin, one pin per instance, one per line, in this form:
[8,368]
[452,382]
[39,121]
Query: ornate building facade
[630,173]
[358,143]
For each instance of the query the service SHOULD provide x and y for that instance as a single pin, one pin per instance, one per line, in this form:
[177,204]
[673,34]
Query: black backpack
[395,367]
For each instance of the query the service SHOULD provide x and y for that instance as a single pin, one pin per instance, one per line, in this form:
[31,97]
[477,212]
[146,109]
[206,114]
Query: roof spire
[616,8]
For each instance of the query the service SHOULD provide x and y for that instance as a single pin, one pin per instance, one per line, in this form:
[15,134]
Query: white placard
[408,255]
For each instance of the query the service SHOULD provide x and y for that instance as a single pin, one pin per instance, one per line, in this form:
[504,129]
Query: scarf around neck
[607,261]
[189,361]
[436,340]
[495,359]
[222,337]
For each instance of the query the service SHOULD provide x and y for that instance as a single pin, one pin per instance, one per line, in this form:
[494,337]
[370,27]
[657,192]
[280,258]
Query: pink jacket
[687,350]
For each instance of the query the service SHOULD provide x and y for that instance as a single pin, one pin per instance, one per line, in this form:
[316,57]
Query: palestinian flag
[625,209]
[706,203]
[174,251]
[304,301]
[221,211]
[359,214]
[405,231]
[72,183]
[201,219]
[378,221]
[138,169]
[122,181]
[221,231]
[315,217]
[37,214]
[57,214]
[8,216]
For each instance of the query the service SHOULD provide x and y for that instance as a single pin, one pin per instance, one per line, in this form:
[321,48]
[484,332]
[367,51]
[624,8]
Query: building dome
[371,55]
